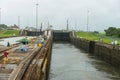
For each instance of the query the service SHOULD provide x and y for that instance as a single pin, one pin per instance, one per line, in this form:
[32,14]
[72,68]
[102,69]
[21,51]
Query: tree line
[3,26]
[112,31]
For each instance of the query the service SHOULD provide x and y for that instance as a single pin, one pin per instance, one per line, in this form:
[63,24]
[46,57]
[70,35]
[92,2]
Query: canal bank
[106,52]
[71,63]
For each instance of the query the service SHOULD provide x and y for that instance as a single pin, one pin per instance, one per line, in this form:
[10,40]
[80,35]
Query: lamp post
[36,17]
[67,25]
[41,28]
[19,21]
[87,20]
[87,26]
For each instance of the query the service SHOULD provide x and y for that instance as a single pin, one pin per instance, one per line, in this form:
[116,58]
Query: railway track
[15,45]
[40,59]
[33,67]
[6,49]
[12,62]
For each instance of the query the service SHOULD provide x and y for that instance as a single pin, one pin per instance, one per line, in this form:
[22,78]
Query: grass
[97,36]
[6,33]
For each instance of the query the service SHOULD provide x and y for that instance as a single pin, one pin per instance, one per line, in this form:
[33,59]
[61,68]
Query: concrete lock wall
[81,43]
[106,52]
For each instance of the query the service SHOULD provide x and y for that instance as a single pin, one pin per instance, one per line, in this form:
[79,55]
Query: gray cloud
[103,13]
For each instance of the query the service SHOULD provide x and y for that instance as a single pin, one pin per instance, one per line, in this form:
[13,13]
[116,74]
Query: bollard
[8,44]
[40,45]
[17,59]
[3,63]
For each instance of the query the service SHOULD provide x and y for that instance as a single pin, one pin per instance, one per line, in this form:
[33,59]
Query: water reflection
[107,68]
[70,63]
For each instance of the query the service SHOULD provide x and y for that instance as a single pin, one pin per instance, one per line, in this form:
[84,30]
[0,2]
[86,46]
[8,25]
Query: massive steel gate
[61,36]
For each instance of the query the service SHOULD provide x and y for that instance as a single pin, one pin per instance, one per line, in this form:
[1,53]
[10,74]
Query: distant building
[15,27]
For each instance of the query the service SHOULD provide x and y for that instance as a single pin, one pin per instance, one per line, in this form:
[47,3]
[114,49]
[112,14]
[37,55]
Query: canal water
[71,63]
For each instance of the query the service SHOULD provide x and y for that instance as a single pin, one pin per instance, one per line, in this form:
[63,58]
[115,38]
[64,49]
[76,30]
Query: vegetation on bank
[113,31]
[97,36]
[7,33]
[3,26]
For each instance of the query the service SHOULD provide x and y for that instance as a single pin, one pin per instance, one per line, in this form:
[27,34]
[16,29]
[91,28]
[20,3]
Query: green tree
[111,31]
[118,32]
[3,26]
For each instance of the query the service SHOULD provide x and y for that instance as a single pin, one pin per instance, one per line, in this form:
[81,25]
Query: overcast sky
[102,13]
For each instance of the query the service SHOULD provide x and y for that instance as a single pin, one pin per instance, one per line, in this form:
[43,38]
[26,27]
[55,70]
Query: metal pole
[87,20]
[41,27]
[0,15]
[87,24]
[67,25]
[19,21]
[36,17]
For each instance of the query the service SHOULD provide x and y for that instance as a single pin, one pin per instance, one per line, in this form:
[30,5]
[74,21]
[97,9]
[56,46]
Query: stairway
[4,76]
